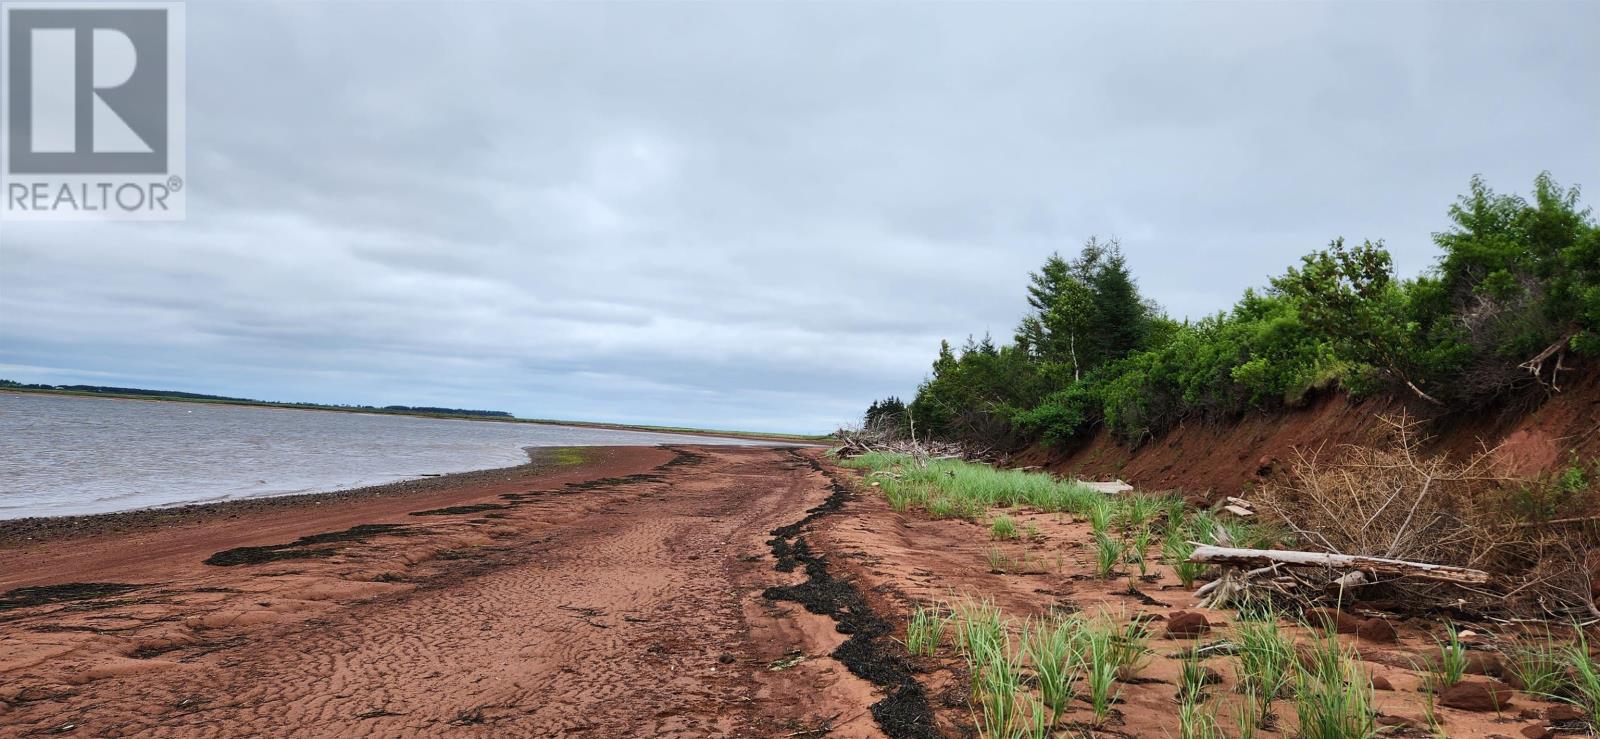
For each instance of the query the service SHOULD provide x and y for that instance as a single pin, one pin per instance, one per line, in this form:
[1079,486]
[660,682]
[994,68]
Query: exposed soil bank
[1225,457]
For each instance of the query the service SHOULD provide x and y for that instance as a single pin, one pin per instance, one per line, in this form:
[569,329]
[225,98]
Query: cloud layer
[760,215]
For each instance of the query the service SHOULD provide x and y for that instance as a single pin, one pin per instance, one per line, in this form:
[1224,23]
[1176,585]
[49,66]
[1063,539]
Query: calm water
[65,455]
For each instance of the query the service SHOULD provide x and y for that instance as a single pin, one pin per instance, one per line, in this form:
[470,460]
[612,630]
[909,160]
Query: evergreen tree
[1121,316]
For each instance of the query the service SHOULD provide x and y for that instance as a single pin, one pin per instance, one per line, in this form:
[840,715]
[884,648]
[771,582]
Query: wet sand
[623,597]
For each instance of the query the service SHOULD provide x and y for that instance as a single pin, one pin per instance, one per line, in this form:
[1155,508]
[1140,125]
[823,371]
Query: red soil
[626,607]
[1226,457]
[908,559]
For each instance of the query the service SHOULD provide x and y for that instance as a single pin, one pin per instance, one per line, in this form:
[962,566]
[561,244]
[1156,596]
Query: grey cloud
[760,215]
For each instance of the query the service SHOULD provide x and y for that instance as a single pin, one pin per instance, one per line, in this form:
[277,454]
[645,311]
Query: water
[62,455]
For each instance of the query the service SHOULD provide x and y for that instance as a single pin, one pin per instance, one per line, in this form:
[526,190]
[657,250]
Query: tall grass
[924,630]
[1108,554]
[1191,679]
[1100,674]
[997,686]
[1266,661]
[1585,678]
[1099,513]
[1136,511]
[1140,545]
[1452,663]
[1194,722]
[1538,663]
[1333,696]
[964,489]
[1056,654]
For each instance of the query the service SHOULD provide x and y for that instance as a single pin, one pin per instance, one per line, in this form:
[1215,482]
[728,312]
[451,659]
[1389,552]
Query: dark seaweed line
[868,653]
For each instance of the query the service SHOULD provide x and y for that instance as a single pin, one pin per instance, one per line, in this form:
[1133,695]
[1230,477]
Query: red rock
[1537,731]
[1186,625]
[1485,663]
[1564,712]
[1377,630]
[1400,721]
[1325,618]
[1380,682]
[1476,695]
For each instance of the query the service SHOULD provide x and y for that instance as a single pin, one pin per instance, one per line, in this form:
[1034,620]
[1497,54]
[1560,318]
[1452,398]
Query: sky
[761,215]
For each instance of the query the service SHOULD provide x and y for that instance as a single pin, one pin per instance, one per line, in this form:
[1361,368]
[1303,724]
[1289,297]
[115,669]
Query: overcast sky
[761,215]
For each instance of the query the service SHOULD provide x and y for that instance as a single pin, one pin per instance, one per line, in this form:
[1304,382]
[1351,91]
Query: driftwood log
[1268,557]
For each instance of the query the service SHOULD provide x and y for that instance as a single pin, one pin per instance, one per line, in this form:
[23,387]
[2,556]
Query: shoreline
[713,433]
[543,463]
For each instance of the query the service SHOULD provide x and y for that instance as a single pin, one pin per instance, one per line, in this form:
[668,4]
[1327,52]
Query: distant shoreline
[751,435]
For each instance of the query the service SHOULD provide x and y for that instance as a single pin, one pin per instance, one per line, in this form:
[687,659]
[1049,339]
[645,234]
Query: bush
[1517,280]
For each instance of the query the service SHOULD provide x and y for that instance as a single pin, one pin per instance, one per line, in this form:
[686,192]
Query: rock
[1402,660]
[1537,731]
[725,658]
[1476,695]
[1380,682]
[1186,625]
[1400,721]
[1328,618]
[1564,712]
[1377,630]
[1485,663]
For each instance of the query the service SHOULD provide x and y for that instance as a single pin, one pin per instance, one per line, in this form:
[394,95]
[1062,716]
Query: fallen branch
[1209,554]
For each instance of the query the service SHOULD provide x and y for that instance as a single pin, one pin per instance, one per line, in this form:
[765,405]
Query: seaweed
[459,509]
[39,595]
[297,549]
[870,653]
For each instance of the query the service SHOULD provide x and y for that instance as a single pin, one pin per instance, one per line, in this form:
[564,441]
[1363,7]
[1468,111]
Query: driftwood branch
[1258,557]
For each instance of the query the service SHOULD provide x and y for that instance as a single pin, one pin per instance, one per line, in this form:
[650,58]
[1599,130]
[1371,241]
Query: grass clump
[1176,552]
[1099,513]
[1194,722]
[924,631]
[1191,680]
[1003,527]
[1266,662]
[1585,678]
[951,488]
[1100,672]
[1333,696]
[1108,554]
[1139,546]
[1054,650]
[1538,663]
[1452,663]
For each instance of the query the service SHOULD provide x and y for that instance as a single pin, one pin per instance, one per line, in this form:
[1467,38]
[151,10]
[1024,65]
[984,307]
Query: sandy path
[627,607]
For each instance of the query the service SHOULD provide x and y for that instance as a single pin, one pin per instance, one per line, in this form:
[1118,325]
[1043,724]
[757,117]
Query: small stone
[1380,682]
[1537,731]
[1186,625]
[1476,695]
[725,658]
[1564,712]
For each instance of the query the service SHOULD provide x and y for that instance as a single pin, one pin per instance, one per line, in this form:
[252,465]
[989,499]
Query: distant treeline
[1512,303]
[178,395]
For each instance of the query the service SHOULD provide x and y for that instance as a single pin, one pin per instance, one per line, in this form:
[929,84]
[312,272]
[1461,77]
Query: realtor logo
[91,111]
